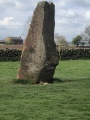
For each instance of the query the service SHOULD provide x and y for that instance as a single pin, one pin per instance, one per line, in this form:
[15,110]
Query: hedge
[65,54]
[74,54]
[10,54]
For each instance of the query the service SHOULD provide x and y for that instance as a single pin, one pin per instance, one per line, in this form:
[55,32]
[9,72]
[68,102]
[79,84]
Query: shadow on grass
[55,80]
[21,81]
[24,82]
[58,80]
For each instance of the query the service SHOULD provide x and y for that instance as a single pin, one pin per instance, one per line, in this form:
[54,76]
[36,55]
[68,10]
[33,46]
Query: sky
[71,17]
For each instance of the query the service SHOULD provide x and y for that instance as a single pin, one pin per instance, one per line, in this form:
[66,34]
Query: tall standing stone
[39,56]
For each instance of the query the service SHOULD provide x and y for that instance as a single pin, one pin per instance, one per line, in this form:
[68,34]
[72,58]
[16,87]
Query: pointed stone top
[44,2]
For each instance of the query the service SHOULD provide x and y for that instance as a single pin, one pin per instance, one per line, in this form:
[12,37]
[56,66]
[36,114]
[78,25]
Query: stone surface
[39,56]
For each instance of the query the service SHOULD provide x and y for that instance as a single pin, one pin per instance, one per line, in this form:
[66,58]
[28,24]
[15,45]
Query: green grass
[68,98]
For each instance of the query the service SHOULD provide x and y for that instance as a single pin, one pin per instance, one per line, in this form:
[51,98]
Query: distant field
[20,47]
[11,47]
[68,98]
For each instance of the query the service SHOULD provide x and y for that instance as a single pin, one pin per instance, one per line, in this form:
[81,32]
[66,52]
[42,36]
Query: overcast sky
[71,17]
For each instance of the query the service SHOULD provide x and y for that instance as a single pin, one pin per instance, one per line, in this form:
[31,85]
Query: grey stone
[39,56]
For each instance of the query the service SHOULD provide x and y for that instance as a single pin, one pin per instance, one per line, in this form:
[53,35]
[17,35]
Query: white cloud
[9,23]
[60,4]
[7,3]
[87,1]
[1,1]
[71,13]
[87,15]
[21,6]
[71,16]
[18,4]
[68,13]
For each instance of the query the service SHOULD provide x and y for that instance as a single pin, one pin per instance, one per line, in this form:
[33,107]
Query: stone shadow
[58,80]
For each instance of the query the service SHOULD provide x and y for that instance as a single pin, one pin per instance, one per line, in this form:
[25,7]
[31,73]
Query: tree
[8,41]
[60,40]
[82,43]
[86,34]
[84,40]
[26,26]
[77,40]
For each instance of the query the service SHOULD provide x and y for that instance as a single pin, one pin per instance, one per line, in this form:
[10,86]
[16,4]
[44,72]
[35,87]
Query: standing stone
[39,56]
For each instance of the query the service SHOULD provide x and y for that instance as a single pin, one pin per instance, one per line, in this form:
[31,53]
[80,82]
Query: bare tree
[60,41]
[86,35]
[87,30]
[27,26]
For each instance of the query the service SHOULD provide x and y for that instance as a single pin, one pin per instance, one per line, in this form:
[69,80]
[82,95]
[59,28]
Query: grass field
[68,98]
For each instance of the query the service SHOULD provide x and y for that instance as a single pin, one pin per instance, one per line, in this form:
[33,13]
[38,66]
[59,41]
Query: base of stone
[43,83]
